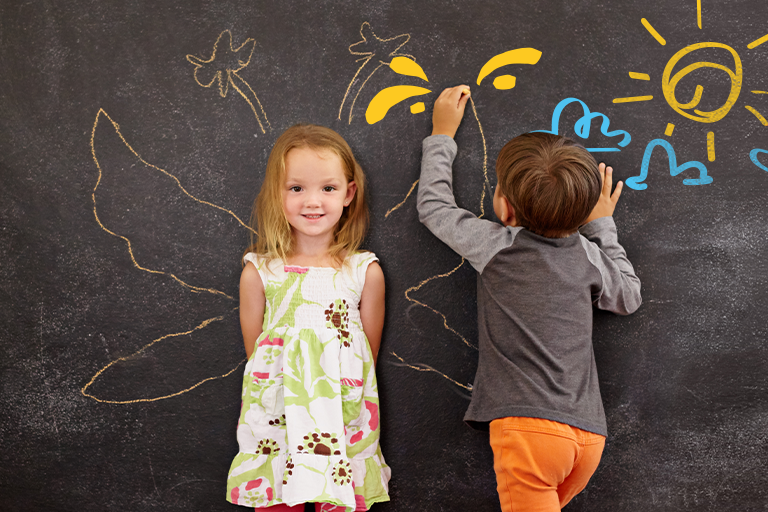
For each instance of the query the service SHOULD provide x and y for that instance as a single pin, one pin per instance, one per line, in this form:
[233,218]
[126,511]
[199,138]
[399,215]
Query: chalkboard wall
[134,136]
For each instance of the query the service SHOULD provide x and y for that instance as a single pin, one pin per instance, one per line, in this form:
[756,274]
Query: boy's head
[550,184]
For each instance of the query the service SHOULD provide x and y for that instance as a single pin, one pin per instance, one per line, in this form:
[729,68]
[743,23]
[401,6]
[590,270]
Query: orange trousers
[541,464]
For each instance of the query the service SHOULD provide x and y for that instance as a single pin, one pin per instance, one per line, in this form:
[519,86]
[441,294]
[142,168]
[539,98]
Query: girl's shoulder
[358,264]
[263,264]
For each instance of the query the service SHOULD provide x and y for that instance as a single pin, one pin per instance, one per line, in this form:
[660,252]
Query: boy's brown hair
[552,183]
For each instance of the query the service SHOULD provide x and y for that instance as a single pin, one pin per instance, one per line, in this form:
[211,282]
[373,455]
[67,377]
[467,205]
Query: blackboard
[121,365]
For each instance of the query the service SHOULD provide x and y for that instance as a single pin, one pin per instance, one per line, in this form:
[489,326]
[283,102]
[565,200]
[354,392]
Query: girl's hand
[449,109]
[607,202]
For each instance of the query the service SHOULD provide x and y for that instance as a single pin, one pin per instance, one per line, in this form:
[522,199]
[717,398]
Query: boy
[539,273]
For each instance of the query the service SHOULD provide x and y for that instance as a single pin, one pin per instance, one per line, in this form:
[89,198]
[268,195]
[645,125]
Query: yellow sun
[669,83]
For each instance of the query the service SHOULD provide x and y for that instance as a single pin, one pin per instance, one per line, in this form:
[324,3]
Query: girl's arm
[252,302]
[372,307]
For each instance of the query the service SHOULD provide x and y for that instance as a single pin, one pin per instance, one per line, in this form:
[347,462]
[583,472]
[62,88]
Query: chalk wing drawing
[143,184]
[377,110]
[669,83]
[223,68]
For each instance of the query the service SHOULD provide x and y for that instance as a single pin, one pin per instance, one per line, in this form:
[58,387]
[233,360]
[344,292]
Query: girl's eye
[329,188]
[295,188]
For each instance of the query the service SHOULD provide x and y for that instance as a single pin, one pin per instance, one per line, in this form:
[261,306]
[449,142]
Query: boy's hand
[449,109]
[607,202]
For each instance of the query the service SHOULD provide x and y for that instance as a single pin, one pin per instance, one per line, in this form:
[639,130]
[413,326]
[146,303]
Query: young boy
[553,256]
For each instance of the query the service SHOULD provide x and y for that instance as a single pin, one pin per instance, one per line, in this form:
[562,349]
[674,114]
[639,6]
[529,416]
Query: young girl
[312,313]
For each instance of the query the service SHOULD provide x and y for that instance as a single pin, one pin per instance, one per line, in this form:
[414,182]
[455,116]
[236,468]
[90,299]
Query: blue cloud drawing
[753,156]
[635,182]
[583,125]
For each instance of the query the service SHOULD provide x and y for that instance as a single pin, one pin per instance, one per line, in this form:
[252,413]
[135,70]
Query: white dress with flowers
[309,422]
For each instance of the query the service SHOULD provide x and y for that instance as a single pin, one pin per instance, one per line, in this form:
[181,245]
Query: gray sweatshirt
[534,304]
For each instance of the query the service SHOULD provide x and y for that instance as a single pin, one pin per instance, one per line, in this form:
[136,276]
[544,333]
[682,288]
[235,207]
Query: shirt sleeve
[477,240]
[620,292]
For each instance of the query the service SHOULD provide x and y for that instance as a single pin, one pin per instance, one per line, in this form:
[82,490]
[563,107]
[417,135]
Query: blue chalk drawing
[753,155]
[635,182]
[582,126]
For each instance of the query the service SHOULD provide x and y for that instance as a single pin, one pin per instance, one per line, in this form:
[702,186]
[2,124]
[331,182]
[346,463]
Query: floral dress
[309,422]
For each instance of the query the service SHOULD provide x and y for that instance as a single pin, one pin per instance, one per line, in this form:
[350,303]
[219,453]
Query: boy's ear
[508,213]
[505,212]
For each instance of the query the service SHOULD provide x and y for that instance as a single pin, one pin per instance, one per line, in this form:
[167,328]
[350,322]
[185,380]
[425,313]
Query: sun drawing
[669,82]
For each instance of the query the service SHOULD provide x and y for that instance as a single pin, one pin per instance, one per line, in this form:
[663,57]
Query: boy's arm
[477,240]
[620,292]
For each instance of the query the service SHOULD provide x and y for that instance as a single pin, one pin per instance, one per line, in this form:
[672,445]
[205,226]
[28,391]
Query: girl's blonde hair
[274,238]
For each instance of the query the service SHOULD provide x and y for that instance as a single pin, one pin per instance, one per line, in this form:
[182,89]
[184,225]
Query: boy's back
[534,300]
[536,385]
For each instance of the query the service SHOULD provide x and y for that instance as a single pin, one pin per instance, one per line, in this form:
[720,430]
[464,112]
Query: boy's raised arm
[477,240]
[620,292]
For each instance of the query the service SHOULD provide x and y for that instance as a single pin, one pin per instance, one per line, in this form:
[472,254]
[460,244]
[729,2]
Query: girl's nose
[313,200]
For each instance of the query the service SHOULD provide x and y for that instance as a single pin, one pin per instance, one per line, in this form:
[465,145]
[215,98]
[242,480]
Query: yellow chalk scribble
[698,12]
[669,83]
[757,115]
[653,32]
[517,56]
[758,42]
[632,98]
[418,108]
[224,70]
[669,130]
[711,146]
[408,67]
[639,76]
[388,98]
[504,82]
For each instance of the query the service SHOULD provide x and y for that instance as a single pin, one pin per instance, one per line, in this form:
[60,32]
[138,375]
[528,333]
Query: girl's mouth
[312,217]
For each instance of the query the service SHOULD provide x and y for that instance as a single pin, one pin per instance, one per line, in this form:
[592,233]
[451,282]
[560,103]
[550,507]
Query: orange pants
[541,464]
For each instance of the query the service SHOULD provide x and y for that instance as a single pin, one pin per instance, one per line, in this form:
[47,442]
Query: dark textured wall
[684,379]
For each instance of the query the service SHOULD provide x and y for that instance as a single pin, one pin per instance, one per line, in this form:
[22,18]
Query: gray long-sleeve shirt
[534,304]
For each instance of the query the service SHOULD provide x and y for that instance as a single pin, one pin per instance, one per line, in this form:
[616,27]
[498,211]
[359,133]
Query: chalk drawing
[584,123]
[517,56]
[223,68]
[669,82]
[103,116]
[636,182]
[753,156]
[387,98]
[371,48]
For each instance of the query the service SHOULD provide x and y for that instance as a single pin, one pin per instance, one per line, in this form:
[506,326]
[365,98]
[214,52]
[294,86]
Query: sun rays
[670,82]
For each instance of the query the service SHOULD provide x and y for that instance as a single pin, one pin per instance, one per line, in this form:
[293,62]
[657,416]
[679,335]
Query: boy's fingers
[463,100]
[608,181]
[617,192]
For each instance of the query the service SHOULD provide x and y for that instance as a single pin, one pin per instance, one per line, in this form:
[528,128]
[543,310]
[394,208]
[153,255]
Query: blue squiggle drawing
[753,155]
[582,126]
[635,182]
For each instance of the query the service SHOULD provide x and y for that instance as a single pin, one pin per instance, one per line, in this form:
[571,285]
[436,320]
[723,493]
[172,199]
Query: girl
[312,313]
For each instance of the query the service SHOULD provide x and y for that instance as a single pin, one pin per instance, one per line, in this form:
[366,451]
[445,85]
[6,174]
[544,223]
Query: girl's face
[315,193]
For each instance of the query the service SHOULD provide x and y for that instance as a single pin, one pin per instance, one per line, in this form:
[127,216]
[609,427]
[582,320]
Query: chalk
[465,91]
